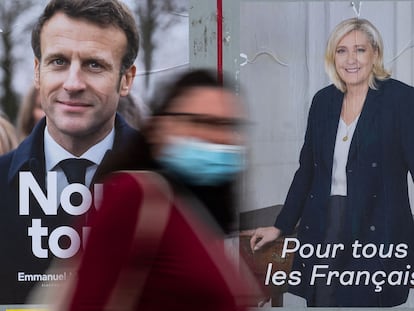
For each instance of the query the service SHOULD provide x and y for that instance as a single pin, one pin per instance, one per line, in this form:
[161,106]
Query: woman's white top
[342,144]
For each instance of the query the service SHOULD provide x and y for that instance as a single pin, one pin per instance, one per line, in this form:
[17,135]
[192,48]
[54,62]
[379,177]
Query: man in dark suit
[84,61]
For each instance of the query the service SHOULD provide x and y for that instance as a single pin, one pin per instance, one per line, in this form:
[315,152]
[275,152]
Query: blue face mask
[202,163]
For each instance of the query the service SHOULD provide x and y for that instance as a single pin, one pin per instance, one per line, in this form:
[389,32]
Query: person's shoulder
[120,189]
[5,165]
[136,181]
[127,189]
[327,92]
[6,159]
[30,149]
[393,84]
[126,137]
[123,128]
[398,96]
[396,93]
[324,98]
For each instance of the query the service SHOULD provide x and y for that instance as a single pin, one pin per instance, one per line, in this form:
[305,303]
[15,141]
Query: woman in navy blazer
[350,191]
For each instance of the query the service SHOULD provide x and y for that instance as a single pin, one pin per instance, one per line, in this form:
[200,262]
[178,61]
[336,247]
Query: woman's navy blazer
[378,213]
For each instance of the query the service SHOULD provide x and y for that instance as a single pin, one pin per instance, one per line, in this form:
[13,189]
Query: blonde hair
[374,37]
[8,136]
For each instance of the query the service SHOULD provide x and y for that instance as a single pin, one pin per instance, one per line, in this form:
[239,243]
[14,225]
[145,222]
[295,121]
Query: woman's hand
[262,236]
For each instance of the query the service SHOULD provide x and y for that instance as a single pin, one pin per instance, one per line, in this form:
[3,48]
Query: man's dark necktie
[75,170]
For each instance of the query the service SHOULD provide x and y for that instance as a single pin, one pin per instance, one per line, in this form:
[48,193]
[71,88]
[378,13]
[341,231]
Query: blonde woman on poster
[355,239]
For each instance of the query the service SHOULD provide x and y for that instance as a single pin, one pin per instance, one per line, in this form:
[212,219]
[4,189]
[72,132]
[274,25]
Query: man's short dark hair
[100,12]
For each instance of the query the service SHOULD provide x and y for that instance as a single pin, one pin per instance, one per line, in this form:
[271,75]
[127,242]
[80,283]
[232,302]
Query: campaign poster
[279,48]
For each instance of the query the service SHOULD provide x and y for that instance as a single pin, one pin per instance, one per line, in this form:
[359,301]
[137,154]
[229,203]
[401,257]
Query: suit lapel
[364,126]
[329,128]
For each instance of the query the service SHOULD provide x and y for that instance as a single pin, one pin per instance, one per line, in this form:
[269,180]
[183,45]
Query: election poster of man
[82,60]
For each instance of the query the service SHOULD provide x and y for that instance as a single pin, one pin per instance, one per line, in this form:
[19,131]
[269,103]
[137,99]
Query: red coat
[182,276]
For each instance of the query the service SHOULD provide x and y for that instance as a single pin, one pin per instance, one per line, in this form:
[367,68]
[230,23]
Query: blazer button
[307,227]
[374,164]
[311,196]
[372,228]
[349,171]
[374,196]
[315,164]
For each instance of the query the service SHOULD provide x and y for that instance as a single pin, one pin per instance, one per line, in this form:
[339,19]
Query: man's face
[78,77]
